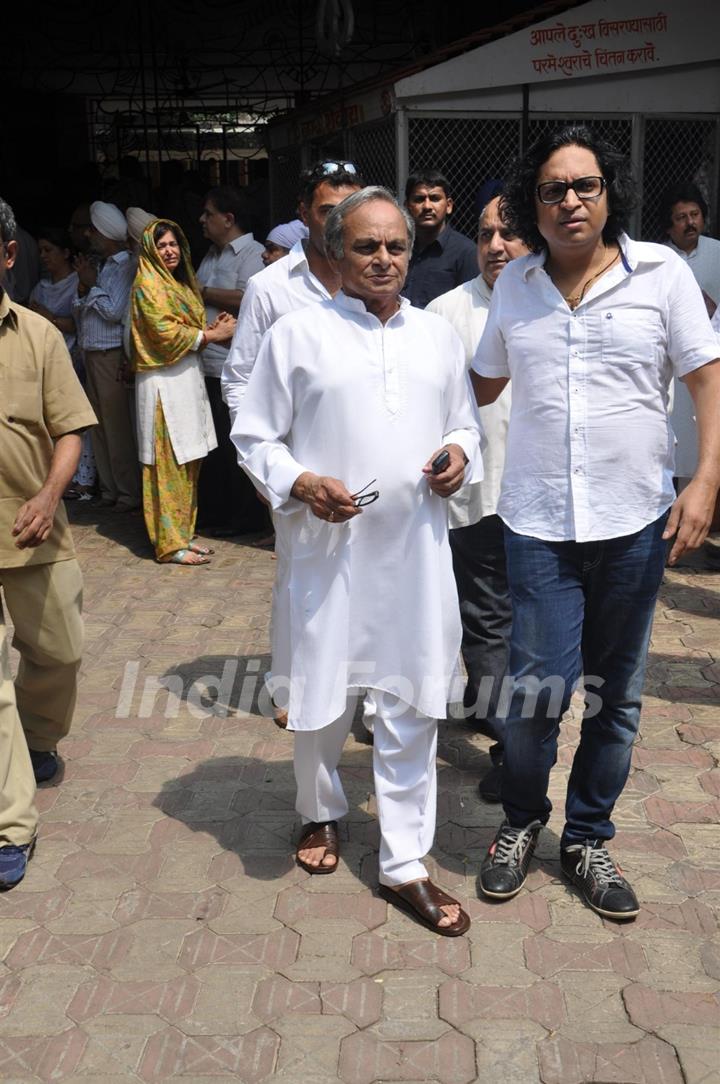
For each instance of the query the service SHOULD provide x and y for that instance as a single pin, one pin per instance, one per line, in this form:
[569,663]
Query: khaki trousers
[113,438]
[45,603]
[18,815]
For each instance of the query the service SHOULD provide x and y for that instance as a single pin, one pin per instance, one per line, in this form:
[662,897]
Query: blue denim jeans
[578,608]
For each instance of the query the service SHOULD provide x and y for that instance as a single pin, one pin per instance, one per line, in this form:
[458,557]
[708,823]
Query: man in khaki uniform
[43,410]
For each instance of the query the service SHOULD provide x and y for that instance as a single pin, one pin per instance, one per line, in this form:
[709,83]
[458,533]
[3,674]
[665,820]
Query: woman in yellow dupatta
[175,428]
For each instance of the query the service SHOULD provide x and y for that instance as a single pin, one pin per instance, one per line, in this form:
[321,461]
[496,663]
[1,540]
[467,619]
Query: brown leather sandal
[422,900]
[319,834]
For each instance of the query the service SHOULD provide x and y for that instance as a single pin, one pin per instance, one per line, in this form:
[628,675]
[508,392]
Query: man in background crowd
[99,310]
[226,499]
[441,258]
[476,535]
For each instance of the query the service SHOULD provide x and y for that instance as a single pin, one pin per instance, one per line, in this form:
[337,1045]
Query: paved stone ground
[163,931]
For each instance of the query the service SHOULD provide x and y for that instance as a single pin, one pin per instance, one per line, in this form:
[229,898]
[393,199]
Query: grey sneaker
[504,870]
[591,869]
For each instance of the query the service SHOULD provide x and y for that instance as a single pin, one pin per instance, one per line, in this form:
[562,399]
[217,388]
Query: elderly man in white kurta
[352,397]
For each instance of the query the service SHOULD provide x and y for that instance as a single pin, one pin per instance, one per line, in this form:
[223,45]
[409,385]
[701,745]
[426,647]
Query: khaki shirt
[41,399]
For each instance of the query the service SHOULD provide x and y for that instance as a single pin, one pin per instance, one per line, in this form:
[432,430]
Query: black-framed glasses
[361,498]
[326,169]
[583,187]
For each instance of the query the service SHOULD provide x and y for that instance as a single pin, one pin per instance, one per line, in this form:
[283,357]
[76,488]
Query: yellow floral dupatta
[166,314]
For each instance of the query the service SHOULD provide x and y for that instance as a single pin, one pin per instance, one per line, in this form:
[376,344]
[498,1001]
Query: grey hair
[8,225]
[335,223]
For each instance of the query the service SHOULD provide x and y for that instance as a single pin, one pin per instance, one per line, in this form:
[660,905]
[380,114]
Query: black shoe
[504,870]
[591,869]
[490,786]
[44,765]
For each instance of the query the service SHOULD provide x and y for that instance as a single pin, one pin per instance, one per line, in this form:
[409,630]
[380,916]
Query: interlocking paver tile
[651,1008]
[296,905]
[42,1058]
[542,1002]
[691,916]
[696,1049]
[360,1001]
[372,953]
[531,909]
[39,946]
[277,996]
[546,957]
[171,1054]
[365,1058]
[309,1048]
[273,950]
[648,1061]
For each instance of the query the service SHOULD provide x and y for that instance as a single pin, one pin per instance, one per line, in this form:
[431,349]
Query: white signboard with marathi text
[594,39]
[599,45]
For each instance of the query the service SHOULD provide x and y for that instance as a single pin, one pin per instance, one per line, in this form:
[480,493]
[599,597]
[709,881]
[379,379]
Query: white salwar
[369,603]
[186,409]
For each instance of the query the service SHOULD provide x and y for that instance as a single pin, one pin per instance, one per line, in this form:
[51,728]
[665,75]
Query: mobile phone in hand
[440,462]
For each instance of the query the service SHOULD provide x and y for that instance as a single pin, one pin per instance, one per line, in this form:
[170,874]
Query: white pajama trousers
[404,750]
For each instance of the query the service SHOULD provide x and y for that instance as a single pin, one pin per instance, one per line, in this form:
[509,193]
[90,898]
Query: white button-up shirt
[590,447]
[100,313]
[227,268]
[466,308]
[704,262]
[284,286]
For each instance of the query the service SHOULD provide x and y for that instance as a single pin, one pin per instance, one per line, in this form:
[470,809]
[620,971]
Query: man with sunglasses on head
[363,386]
[303,278]
[590,328]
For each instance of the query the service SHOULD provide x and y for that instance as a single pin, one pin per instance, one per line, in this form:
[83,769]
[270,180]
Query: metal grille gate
[471,150]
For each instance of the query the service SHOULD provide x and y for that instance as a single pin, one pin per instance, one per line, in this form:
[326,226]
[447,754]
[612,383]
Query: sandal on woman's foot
[184,557]
[204,551]
[423,900]
[319,834]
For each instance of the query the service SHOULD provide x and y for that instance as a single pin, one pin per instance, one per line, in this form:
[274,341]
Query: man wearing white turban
[281,239]
[137,220]
[99,310]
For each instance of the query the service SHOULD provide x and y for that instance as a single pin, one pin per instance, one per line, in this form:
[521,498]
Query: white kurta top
[371,602]
[284,286]
[590,447]
[466,308]
[181,389]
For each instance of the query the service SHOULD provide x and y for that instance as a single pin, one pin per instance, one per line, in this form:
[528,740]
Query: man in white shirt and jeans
[226,500]
[476,535]
[590,328]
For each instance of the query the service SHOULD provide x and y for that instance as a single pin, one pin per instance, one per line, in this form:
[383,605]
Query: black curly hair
[520,189]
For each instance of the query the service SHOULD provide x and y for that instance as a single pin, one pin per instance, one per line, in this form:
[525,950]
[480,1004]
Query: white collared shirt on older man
[284,286]
[590,447]
[227,268]
[466,308]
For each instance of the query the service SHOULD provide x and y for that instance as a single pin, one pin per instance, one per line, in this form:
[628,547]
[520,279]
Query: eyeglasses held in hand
[361,498]
[583,187]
